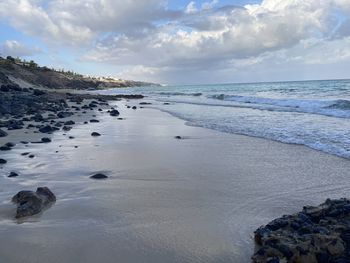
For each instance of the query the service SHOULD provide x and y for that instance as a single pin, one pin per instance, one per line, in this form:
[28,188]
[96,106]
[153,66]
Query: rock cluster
[314,235]
[31,203]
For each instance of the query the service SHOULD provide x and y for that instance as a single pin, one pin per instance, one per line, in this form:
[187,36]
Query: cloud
[214,36]
[16,49]
[149,39]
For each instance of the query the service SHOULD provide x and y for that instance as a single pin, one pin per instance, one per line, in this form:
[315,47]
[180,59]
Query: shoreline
[166,200]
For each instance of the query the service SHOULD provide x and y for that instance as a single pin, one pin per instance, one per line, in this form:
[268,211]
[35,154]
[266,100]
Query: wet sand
[198,199]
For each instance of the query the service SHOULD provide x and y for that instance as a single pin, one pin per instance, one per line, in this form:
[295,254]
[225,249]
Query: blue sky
[178,42]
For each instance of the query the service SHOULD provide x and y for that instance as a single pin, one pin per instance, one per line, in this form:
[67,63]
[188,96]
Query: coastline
[166,200]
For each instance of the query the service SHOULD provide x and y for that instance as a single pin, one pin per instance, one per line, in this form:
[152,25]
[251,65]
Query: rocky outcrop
[314,235]
[18,103]
[31,203]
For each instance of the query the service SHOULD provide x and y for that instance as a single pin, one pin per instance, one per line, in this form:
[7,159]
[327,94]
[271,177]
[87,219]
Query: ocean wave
[340,104]
[335,108]
[298,132]
[196,94]
[292,103]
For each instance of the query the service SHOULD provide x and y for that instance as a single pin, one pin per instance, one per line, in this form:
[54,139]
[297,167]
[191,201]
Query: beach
[194,199]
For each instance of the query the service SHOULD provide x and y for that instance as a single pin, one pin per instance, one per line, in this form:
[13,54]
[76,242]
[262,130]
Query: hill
[16,71]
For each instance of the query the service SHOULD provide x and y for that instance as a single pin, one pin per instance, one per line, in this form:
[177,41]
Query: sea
[311,113]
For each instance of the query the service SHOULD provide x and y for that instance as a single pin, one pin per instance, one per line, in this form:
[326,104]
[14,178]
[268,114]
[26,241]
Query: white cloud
[16,49]
[149,39]
[191,8]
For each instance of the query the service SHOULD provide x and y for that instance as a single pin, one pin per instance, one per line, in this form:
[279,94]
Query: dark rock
[31,156]
[31,203]
[94,134]
[14,124]
[64,114]
[13,174]
[145,103]
[69,122]
[316,234]
[48,129]
[94,121]
[66,128]
[99,176]
[2,161]
[3,133]
[5,148]
[37,117]
[134,107]
[38,92]
[10,144]
[114,113]
[71,137]
[24,154]
[4,88]
[178,137]
[45,140]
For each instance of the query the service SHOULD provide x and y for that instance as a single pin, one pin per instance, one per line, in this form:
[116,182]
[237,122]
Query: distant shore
[30,74]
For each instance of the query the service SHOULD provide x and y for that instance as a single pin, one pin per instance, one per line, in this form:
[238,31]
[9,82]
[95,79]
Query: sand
[166,200]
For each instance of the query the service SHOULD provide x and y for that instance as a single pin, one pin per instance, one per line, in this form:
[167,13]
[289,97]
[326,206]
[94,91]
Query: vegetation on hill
[16,70]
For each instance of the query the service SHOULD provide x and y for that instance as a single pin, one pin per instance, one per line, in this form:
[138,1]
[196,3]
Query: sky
[182,42]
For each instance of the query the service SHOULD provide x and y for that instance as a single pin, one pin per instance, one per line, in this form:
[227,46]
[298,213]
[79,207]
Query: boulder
[13,174]
[95,134]
[37,117]
[114,113]
[2,161]
[66,128]
[45,140]
[10,144]
[5,148]
[316,234]
[48,129]
[31,203]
